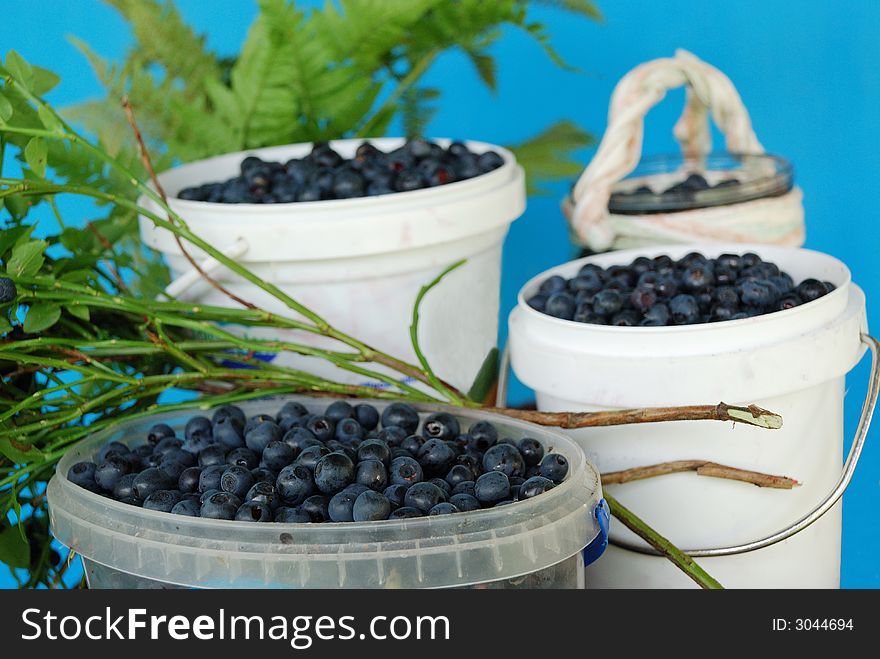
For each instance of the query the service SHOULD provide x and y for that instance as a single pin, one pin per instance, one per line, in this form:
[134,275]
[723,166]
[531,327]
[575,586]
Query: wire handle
[186,281]
[708,90]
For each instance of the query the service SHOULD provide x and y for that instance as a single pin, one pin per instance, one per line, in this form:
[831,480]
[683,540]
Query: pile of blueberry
[324,174]
[332,467]
[662,291]
[684,189]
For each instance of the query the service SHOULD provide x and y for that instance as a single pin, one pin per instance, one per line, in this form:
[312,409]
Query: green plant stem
[681,560]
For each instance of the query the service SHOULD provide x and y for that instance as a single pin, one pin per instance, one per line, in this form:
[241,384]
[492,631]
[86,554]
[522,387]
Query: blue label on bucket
[597,547]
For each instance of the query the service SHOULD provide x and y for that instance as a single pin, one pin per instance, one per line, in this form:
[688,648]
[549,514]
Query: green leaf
[13,236]
[5,325]
[14,550]
[19,68]
[78,311]
[35,154]
[549,155]
[6,110]
[44,80]
[49,120]
[26,259]
[41,316]
[486,378]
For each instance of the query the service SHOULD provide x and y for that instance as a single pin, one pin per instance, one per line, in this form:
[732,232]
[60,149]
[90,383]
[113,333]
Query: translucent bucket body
[359,263]
[537,543]
[791,362]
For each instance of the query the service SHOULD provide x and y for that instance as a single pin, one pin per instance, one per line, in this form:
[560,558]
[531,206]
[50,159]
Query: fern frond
[550,154]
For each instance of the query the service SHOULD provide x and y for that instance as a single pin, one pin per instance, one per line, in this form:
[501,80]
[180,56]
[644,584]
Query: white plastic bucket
[359,263]
[791,362]
[543,542]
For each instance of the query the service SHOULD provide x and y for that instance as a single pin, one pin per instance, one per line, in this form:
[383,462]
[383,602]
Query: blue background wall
[807,73]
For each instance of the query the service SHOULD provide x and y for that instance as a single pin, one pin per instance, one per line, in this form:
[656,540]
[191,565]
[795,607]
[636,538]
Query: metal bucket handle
[823,507]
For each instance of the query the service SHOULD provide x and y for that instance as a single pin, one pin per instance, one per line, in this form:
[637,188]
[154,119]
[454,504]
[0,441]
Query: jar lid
[671,183]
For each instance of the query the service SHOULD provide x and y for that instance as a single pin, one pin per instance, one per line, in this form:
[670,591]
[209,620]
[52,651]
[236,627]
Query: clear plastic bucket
[791,362]
[359,263]
[538,543]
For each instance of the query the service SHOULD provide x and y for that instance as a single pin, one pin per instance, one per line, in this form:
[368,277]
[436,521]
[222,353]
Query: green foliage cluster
[344,70]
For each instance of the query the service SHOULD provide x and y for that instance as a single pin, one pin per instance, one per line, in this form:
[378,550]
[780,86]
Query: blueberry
[758,293]
[227,431]
[367,416]
[322,427]
[162,500]
[167,444]
[253,511]
[551,285]
[560,305]
[295,484]
[264,493]
[350,431]
[492,487]
[300,439]
[695,182]
[625,318]
[401,415]
[531,450]
[115,448]
[441,425]
[220,505]
[483,436]
[323,156]
[393,436]
[347,184]
[196,444]
[291,409]
[295,515]
[435,456]
[334,445]
[83,474]
[8,292]
[339,410]
[607,303]
[538,302]
[374,449]
[188,507]
[443,508]
[534,486]
[333,472]
[212,455]
[123,488]
[504,458]
[276,456]
[256,420]
[459,473]
[310,456]
[198,427]
[405,471]
[341,506]
[188,481]
[464,502]
[490,160]
[788,302]
[684,309]
[371,507]
[229,414]
[697,277]
[395,494]
[258,437]
[405,512]
[372,474]
[149,481]
[423,496]
[243,457]
[172,468]
[467,487]
[158,432]
[108,473]
[589,281]
[316,507]
[554,467]
[811,289]
[236,480]
[408,180]
[413,444]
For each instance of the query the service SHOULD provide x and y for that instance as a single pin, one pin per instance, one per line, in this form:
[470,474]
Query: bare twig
[751,415]
[703,468]
[148,165]
[681,560]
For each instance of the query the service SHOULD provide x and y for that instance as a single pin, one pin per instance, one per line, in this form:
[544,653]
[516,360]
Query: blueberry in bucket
[348,464]
[661,291]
